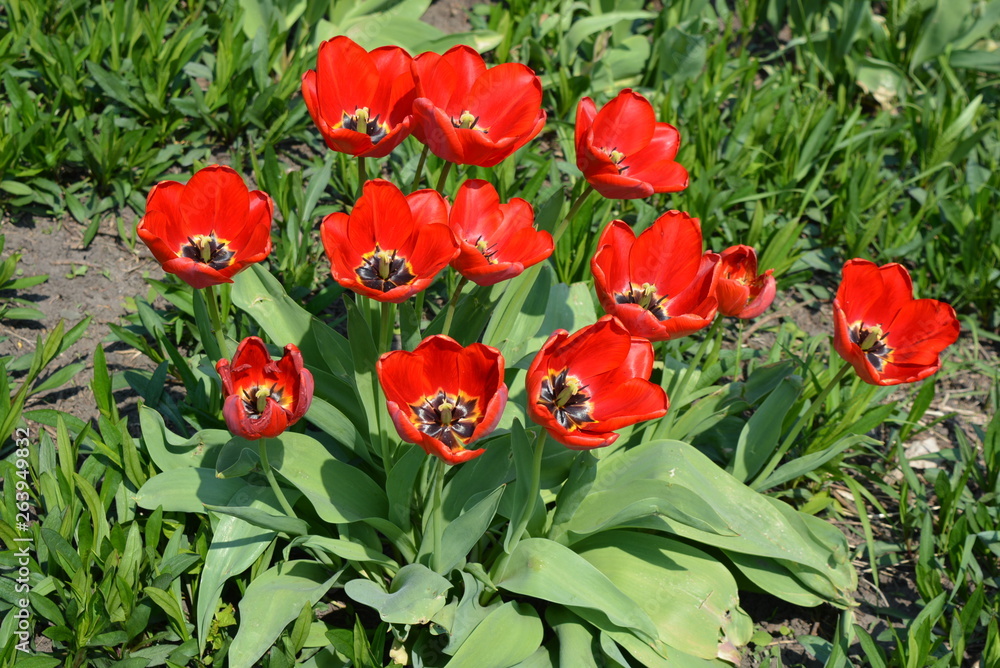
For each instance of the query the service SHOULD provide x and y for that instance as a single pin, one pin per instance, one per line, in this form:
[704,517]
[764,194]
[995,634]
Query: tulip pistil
[566,399]
[208,249]
[468,121]
[616,157]
[384,270]
[449,418]
[361,121]
[255,399]
[872,343]
[646,297]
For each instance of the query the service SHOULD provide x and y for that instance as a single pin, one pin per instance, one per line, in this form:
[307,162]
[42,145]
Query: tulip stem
[420,169]
[536,476]
[269,472]
[681,387]
[437,512]
[564,225]
[213,314]
[452,305]
[362,175]
[797,428]
[738,372]
[444,176]
[387,327]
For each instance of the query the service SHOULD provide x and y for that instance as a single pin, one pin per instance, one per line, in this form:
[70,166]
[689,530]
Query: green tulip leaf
[345,549]
[761,526]
[339,492]
[690,596]
[464,532]
[265,520]
[236,544]
[170,451]
[237,458]
[552,572]
[509,635]
[761,434]
[186,490]
[416,594]
[576,638]
[272,600]
[468,612]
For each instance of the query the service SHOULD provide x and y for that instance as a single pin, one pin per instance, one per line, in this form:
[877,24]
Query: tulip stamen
[361,121]
[872,343]
[384,270]
[566,399]
[208,249]
[646,297]
[468,121]
[616,157]
[255,399]
[488,251]
[451,419]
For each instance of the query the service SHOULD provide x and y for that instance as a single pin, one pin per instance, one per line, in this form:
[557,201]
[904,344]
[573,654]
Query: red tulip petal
[617,186]
[433,249]
[168,225]
[625,124]
[215,200]
[476,212]
[668,254]
[633,400]
[427,207]
[586,111]
[662,176]
[467,66]
[196,274]
[347,78]
[506,99]
[382,214]
[921,330]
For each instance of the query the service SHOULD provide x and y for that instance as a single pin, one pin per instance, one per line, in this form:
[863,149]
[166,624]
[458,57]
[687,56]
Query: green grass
[815,131]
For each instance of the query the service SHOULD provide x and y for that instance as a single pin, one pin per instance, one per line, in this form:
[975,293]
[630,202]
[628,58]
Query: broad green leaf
[520,312]
[690,596]
[260,294]
[170,451]
[187,490]
[761,435]
[236,544]
[465,531]
[509,635]
[346,549]
[552,572]
[339,492]
[813,550]
[292,526]
[576,638]
[272,600]
[416,594]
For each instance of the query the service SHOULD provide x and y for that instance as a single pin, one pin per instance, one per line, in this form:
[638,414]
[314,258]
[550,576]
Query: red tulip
[584,386]
[623,152]
[888,336]
[361,102]
[391,246]
[209,230]
[497,240]
[264,397]
[660,285]
[741,292]
[471,115]
[444,397]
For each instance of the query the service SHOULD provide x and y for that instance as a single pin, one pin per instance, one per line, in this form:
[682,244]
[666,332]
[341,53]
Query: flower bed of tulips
[495,488]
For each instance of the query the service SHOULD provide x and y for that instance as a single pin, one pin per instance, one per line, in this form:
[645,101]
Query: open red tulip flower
[742,293]
[391,246]
[362,102]
[584,386]
[623,152]
[443,396]
[208,230]
[263,397]
[471,115]
[660,285]
[497,240]
[888,336]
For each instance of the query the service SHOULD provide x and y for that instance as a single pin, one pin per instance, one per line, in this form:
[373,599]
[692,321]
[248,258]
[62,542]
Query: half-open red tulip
[361,102]
[888,336]
[443,396]
[584,386]
[497,240]
[471,115]
[208,230]
[742,293]
[623,152]
[263,397]
[391,246]
[660,285]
